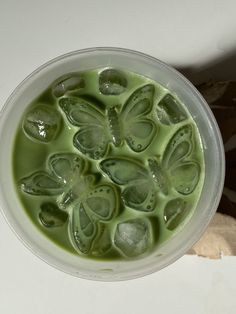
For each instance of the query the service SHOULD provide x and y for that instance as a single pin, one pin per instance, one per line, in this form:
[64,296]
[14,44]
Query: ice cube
[67,83]
[158,175]
[174,213]
[41,183]
[112,82]
[67,198]
[42,123]
[170,111]
[83,229]
[114,125]
[132,237]
[123,171]
[185,177]
[51,216]
[103,243]
[66,165]
[140,196]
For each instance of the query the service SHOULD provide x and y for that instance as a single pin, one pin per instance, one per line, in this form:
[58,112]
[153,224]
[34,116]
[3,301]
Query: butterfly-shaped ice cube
[177,170]
[97,128]
[86,203]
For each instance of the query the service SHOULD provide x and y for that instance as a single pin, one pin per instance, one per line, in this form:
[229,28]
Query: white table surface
[196,36]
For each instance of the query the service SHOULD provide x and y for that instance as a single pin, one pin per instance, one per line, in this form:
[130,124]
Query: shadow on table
[221,68]
[224,108]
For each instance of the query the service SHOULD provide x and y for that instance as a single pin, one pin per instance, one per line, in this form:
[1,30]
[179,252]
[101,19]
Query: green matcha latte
[108,164]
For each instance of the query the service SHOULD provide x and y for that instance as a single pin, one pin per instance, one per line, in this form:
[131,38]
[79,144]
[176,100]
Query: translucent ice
[170,111]
[69,82]
[140,196]
[103,243]
[42,123]
[139,130]
[184,173]
[77,187]
[158,176]
[174,213]
[179,146]
[123,171]
[102,202]
[114,125]
[91,142]
[51,216]
[185,177]
[66,165]
[92,138]
[41,183]
[94,206]
[112,82]
[82,229]
[132,237]
[139,192]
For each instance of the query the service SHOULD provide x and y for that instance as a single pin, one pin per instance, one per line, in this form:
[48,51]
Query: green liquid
[108,164]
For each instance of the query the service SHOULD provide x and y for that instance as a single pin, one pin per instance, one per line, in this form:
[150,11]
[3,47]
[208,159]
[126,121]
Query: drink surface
[108,164]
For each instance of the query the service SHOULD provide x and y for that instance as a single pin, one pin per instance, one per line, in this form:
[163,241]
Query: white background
[197,37]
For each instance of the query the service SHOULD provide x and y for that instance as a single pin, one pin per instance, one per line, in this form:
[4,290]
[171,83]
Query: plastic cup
[173,248]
